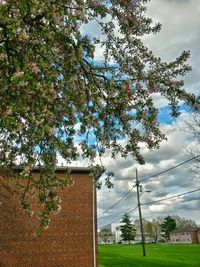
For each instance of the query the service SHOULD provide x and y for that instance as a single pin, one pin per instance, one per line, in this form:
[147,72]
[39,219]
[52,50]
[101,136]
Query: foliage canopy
[53,92]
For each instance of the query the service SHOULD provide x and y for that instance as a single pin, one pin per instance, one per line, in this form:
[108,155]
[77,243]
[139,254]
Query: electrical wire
[115,214]
[167,198]
[152,202]
[144,179]
[128,212]
[176,166]
[116,203]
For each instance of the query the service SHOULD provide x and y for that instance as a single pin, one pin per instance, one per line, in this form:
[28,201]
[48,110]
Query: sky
[180,31]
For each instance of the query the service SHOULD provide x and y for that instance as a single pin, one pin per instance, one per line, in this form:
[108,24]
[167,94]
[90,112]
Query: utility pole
[140,213]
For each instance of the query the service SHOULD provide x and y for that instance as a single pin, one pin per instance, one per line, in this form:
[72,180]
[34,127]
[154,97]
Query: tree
[156,231]
[151,228]
[127,229]
[192,127]
[148,228]
[105,234]
[168,225]
[53,92]
[183,222]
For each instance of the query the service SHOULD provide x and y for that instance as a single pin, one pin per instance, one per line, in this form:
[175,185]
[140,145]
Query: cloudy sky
[180,31]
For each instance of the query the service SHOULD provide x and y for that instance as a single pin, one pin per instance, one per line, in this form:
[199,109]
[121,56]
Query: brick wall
[194,237]
[198,234]
[68,242]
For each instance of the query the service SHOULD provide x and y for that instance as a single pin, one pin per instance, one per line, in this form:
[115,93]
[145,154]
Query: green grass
[158,255]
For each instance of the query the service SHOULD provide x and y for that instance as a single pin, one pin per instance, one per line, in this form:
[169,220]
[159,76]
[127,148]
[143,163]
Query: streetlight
[139,190]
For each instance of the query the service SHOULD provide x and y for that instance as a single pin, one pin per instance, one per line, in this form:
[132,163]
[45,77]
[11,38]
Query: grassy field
[158,255]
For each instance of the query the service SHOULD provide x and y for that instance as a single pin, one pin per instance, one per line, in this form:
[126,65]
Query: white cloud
[180,31]
[158,208]
[177,181]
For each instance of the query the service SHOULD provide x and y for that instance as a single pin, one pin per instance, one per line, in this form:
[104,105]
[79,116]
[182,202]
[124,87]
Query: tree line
[157,229]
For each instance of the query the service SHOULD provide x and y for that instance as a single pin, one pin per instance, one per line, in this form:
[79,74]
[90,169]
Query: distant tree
[147,225]
[156,231]
[152,228]
[127,229]
[168,225]
[137,226]
[105,235]
[183,222]
[192,127]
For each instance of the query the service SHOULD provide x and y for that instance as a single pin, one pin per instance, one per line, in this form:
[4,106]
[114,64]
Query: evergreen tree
[168,225]
[128,229]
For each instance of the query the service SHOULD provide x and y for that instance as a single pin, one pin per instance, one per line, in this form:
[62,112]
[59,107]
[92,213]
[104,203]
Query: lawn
[158,255]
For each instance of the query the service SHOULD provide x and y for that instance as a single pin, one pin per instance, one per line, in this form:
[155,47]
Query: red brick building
[70,240]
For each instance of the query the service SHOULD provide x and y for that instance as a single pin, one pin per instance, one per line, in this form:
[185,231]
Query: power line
[115,204]
[128,212]
[151,202]
[159,200]
[132,210]
[113,215]
[144,179]
[176,166]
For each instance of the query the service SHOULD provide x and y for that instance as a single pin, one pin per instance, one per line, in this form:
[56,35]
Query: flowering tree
[52,89]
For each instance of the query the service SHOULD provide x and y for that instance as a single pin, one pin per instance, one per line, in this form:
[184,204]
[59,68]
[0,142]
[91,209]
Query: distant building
[116,234]
[189,235]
